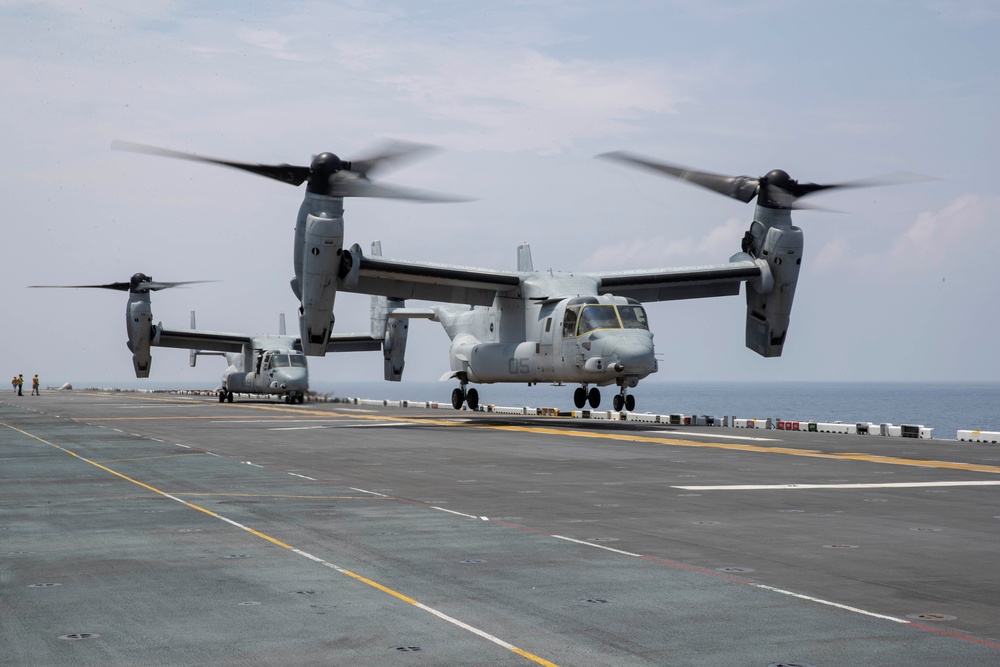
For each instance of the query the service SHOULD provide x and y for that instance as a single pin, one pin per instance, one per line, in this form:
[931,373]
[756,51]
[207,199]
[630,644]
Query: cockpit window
[633,317]
[297,360]
[569,323]
[597,317]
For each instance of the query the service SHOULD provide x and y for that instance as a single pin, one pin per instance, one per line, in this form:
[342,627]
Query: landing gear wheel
[302,399]
[229,397]
[618,402]
[457,398]
[222,396]
[472,398]
[630,402]
[594,397]
[580,397]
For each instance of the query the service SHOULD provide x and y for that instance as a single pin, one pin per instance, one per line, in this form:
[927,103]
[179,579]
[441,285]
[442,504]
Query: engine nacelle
[394,346]
[769,298]
[321,261]
[139,325]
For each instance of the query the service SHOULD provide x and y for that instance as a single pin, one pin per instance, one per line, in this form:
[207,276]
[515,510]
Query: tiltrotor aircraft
[590,328]
[319,261]
[260,364]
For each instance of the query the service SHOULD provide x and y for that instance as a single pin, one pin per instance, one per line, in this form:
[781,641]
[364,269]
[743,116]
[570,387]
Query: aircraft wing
[399,279]
[217,341]
[352,343]
[210,341]
[696,282]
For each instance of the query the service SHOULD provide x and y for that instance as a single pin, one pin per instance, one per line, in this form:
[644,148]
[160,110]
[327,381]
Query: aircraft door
[549,342]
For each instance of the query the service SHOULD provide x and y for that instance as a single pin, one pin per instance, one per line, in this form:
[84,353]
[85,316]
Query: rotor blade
[156,285]
[392,155]
[743,188]
[281,172]
[895,178]
[152,285]
[341,186]
[122,287]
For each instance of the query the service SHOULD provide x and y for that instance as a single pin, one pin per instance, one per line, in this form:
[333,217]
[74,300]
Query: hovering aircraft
[590,328]
[260,364]
[319,260]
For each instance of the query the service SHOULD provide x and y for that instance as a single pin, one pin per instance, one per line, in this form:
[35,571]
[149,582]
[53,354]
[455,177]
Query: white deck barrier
[677,419]
[988,437]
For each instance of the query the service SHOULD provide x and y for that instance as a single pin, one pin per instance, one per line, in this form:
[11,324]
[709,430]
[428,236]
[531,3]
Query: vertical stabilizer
[524,258]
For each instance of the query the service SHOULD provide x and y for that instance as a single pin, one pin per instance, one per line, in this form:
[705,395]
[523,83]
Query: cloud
[496,100]
[272,42]
[715,247]
[935,234]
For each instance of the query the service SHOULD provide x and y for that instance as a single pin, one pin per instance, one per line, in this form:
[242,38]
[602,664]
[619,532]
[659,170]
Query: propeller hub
[780,178]
[323,167]
[137,280]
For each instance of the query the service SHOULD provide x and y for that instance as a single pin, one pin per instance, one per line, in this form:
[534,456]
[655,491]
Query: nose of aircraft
[636,355]
[292,378]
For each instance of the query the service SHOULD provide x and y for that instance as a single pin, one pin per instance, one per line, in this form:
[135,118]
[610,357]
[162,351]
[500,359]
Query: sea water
[944,406]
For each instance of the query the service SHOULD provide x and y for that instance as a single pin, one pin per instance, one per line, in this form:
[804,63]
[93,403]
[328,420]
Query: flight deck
[140,529]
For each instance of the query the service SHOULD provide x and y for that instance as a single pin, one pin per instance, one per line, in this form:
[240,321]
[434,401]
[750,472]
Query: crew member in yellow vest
[34,386]
[20,383]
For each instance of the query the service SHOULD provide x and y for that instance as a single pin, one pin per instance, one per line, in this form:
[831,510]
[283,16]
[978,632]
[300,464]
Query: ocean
[946,407]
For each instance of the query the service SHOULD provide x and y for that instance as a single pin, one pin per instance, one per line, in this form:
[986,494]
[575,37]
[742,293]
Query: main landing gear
[460,395]
[225,395]
[295,398]
[581,397]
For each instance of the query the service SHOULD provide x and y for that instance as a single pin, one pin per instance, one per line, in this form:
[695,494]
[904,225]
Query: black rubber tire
[594,398]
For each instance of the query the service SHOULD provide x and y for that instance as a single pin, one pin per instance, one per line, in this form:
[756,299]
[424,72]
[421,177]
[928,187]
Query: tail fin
[524,258]
[193,356]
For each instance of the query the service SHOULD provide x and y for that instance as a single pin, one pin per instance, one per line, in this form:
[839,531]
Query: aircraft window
[298,360]
[279,361]
[569,323]
[598,317]
[633,317]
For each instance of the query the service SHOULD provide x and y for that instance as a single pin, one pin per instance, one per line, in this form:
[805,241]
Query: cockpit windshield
[286,360]
[633,317]
[579,321]
[597,317]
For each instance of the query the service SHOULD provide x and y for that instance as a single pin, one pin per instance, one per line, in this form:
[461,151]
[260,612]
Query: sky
[897,283]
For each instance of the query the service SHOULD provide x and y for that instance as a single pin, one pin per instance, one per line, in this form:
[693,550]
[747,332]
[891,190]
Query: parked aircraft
[260,364]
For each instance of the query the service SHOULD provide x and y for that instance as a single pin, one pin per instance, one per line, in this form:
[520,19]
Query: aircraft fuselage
[598,340]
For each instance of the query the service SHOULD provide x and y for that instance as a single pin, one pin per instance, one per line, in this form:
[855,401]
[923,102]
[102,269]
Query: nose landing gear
[624,400]
[460,395]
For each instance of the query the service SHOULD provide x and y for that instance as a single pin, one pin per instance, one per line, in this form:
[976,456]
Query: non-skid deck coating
[158,530]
